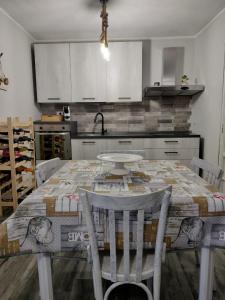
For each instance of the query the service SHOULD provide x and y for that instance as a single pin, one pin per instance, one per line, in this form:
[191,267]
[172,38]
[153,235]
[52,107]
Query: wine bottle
[23,157]
[4,140]
[3,160]
[4,177]
[19,130]
[23,139]
[22,188]
[4,152]
[21,169]
[22,148]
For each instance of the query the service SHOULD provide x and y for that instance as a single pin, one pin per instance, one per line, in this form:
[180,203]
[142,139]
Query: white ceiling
[79,19]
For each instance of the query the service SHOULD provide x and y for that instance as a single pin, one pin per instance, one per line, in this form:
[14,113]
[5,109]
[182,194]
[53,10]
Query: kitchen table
[51,219]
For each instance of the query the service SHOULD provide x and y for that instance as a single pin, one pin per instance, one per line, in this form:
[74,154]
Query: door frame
[221,152]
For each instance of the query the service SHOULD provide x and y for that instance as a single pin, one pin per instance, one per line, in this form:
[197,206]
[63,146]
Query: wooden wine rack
[15,188]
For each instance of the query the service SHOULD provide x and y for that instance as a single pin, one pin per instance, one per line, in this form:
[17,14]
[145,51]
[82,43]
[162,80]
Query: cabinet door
[127,144]
[53,80]
[168,143]
[88,73]
[171,154]
[87,148]
[124,72]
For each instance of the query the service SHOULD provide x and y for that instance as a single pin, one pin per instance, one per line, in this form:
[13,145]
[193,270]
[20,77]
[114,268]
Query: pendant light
[103,37]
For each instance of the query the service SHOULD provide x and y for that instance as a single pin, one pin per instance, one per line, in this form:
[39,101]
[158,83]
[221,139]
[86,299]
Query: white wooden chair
[126,267]
[138,152]
[46,169]
[212,174]
[213,237]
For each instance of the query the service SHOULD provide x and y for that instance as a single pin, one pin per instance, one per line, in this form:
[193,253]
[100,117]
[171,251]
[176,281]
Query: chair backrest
[152,202]
[212,174]
[46,169]
[138,152]
[214,233]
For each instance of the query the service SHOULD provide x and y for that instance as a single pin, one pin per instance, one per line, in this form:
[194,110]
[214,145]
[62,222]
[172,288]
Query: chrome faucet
[95,120]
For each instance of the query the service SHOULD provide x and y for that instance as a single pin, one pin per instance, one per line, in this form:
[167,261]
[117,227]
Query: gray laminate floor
[72,279]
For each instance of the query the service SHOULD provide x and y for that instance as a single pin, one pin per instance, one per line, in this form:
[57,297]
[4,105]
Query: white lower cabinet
[183,149]
[88,148]
[184,155]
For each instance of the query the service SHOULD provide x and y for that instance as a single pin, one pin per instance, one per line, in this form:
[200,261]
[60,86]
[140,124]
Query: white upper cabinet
[88,73]
[52,63]
[77,72]
[124,72]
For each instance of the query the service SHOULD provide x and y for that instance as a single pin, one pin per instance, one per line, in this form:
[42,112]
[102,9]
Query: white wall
[157,46]
[18,100]
[209,64]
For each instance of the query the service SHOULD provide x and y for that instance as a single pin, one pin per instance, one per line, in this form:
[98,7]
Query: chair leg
[197,258]
[206,274]
[97,289]
[45,276]
[94,284]
[215,287]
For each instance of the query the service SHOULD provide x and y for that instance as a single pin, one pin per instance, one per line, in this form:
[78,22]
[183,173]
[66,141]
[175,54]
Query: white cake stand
[119,159]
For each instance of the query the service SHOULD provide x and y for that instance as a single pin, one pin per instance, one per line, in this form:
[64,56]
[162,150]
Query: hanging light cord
[105,24]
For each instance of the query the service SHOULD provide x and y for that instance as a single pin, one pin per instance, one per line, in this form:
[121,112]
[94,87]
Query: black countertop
[116,135]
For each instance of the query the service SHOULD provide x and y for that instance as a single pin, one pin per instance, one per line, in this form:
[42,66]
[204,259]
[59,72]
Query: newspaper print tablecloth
[51,219]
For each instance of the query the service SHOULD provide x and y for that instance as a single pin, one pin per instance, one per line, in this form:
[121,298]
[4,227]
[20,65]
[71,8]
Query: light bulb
[105,52]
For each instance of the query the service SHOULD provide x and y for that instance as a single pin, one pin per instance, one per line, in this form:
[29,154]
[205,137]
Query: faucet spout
[102,118]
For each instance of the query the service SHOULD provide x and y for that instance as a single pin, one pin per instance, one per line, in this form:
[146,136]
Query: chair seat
[147,266]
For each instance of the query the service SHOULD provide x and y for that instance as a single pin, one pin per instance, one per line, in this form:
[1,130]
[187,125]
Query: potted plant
[184,82]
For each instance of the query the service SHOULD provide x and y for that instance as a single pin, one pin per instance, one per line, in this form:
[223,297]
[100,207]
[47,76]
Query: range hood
[176,90]
[172,71]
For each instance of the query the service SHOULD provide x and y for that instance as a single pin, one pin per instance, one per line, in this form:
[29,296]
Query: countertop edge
[133,135]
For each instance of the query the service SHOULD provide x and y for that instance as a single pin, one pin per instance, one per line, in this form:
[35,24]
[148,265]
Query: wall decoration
[4,81]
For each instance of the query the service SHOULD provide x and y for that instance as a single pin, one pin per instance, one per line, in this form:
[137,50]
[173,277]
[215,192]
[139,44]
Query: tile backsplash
[162,114]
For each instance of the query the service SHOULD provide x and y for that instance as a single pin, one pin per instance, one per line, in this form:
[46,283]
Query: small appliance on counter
[53,139]
[66,113]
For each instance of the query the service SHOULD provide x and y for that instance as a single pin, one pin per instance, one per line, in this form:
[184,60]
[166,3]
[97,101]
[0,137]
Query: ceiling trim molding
[176,37]
[17,24]
[210,23]
[77,40]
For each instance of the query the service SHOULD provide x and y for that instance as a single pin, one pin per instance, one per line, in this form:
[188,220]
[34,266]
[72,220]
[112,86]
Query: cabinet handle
[90,98]
[88,142]
[171,142]
[54,98]
[171,152]
[124,98]
[125,142]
